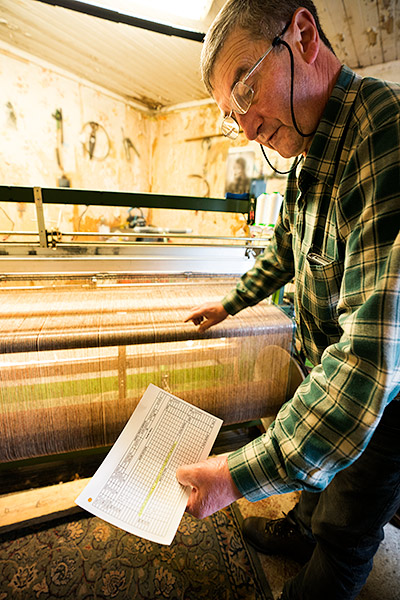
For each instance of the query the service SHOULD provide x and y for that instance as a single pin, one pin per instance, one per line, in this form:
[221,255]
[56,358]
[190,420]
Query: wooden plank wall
[362,32]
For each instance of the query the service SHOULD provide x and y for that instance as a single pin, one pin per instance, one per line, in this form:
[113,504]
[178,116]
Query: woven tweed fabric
[88,559]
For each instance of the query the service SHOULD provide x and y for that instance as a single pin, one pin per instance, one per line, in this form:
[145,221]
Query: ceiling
[157,71]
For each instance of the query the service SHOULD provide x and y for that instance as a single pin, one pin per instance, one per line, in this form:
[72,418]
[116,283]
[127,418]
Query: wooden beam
[31,507]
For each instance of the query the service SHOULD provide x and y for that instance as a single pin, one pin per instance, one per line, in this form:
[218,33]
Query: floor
[384,580]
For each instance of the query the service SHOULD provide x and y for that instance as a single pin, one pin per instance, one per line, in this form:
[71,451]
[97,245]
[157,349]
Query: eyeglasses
[240,99]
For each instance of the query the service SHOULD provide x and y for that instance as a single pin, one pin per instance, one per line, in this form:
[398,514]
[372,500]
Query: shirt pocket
[320,290]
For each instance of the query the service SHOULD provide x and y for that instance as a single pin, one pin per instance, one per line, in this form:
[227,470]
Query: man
[272,72]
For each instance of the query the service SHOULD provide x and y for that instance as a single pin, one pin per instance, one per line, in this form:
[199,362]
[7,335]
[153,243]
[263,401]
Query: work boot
[278,536]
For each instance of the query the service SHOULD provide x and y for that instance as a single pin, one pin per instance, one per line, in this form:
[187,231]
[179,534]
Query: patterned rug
[84,558]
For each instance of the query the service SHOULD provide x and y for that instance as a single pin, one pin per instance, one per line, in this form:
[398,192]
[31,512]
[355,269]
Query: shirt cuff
[255,473]
[233,303]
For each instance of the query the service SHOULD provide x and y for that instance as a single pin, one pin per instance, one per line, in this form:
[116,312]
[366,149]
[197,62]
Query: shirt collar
[322,159]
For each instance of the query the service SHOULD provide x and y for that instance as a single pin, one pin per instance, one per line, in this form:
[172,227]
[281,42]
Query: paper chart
[135,488]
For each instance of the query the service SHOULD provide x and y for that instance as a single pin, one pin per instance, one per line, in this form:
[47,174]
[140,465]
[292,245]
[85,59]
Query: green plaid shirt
[338,236]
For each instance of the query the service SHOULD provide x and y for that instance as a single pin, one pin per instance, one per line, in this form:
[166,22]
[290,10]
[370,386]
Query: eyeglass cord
[275,42]
[292,168]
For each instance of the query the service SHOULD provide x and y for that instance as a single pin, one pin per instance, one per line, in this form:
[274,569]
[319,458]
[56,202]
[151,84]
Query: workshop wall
[390,71]
[33,153]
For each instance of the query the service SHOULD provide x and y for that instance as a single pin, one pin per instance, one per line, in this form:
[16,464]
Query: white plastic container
[267,209]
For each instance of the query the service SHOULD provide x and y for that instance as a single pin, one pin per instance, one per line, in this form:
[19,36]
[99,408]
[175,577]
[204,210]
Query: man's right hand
[207,315]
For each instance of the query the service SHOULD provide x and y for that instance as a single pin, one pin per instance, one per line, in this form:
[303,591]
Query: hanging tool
[128,146]
[12,119]
[97,137]
[62,181]
[92,138]
[57,115]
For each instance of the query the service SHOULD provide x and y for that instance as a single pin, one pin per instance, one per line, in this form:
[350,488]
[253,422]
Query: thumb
[183,476]
[206,325]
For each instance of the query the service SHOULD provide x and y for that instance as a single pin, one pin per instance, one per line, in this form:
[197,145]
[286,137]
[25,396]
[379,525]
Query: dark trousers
[346,519]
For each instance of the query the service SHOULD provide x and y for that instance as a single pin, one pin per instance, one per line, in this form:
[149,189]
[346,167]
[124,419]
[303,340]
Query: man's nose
[248,124]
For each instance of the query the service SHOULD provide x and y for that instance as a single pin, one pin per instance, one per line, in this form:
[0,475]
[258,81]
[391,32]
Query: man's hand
[207,315]
[212,486]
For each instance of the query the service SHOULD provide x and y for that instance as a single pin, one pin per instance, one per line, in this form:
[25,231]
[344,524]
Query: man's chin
[283,153]
[288,144]
[289,152]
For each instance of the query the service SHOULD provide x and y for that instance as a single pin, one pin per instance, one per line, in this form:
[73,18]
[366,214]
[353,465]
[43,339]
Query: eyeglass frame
[229,121]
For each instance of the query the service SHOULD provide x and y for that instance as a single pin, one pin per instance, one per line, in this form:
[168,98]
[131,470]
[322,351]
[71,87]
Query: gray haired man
[275,76]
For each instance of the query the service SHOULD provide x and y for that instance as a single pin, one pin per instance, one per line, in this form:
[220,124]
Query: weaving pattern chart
[136,487]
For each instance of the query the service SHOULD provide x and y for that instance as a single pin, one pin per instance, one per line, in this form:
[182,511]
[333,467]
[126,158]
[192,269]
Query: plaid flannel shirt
[338,236]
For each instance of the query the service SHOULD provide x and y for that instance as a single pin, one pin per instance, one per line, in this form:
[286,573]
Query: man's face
[268,120]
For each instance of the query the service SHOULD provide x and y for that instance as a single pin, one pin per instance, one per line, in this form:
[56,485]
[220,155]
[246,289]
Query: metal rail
[131,199]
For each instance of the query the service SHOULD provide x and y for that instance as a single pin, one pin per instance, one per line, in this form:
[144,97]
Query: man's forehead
[234,60]
[234,51]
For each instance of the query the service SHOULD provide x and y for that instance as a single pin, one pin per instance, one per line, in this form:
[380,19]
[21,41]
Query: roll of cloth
[76,359]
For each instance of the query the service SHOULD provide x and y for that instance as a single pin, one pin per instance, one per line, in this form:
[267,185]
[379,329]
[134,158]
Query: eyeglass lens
[230,127]
[241,98]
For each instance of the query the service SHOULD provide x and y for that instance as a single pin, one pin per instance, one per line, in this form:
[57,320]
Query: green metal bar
[131,199]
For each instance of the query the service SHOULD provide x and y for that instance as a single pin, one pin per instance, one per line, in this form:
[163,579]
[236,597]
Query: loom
[87,324]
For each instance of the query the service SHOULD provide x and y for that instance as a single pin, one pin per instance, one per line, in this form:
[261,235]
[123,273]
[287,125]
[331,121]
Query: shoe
[279,536]
[395,520]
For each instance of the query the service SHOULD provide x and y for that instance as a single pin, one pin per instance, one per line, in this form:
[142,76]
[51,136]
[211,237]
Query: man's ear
[306,37]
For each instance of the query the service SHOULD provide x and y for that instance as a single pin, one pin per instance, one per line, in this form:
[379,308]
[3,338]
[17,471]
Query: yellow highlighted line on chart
[153,487]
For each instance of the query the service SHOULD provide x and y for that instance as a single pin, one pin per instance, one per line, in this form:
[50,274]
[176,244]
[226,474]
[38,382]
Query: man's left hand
[212,486]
